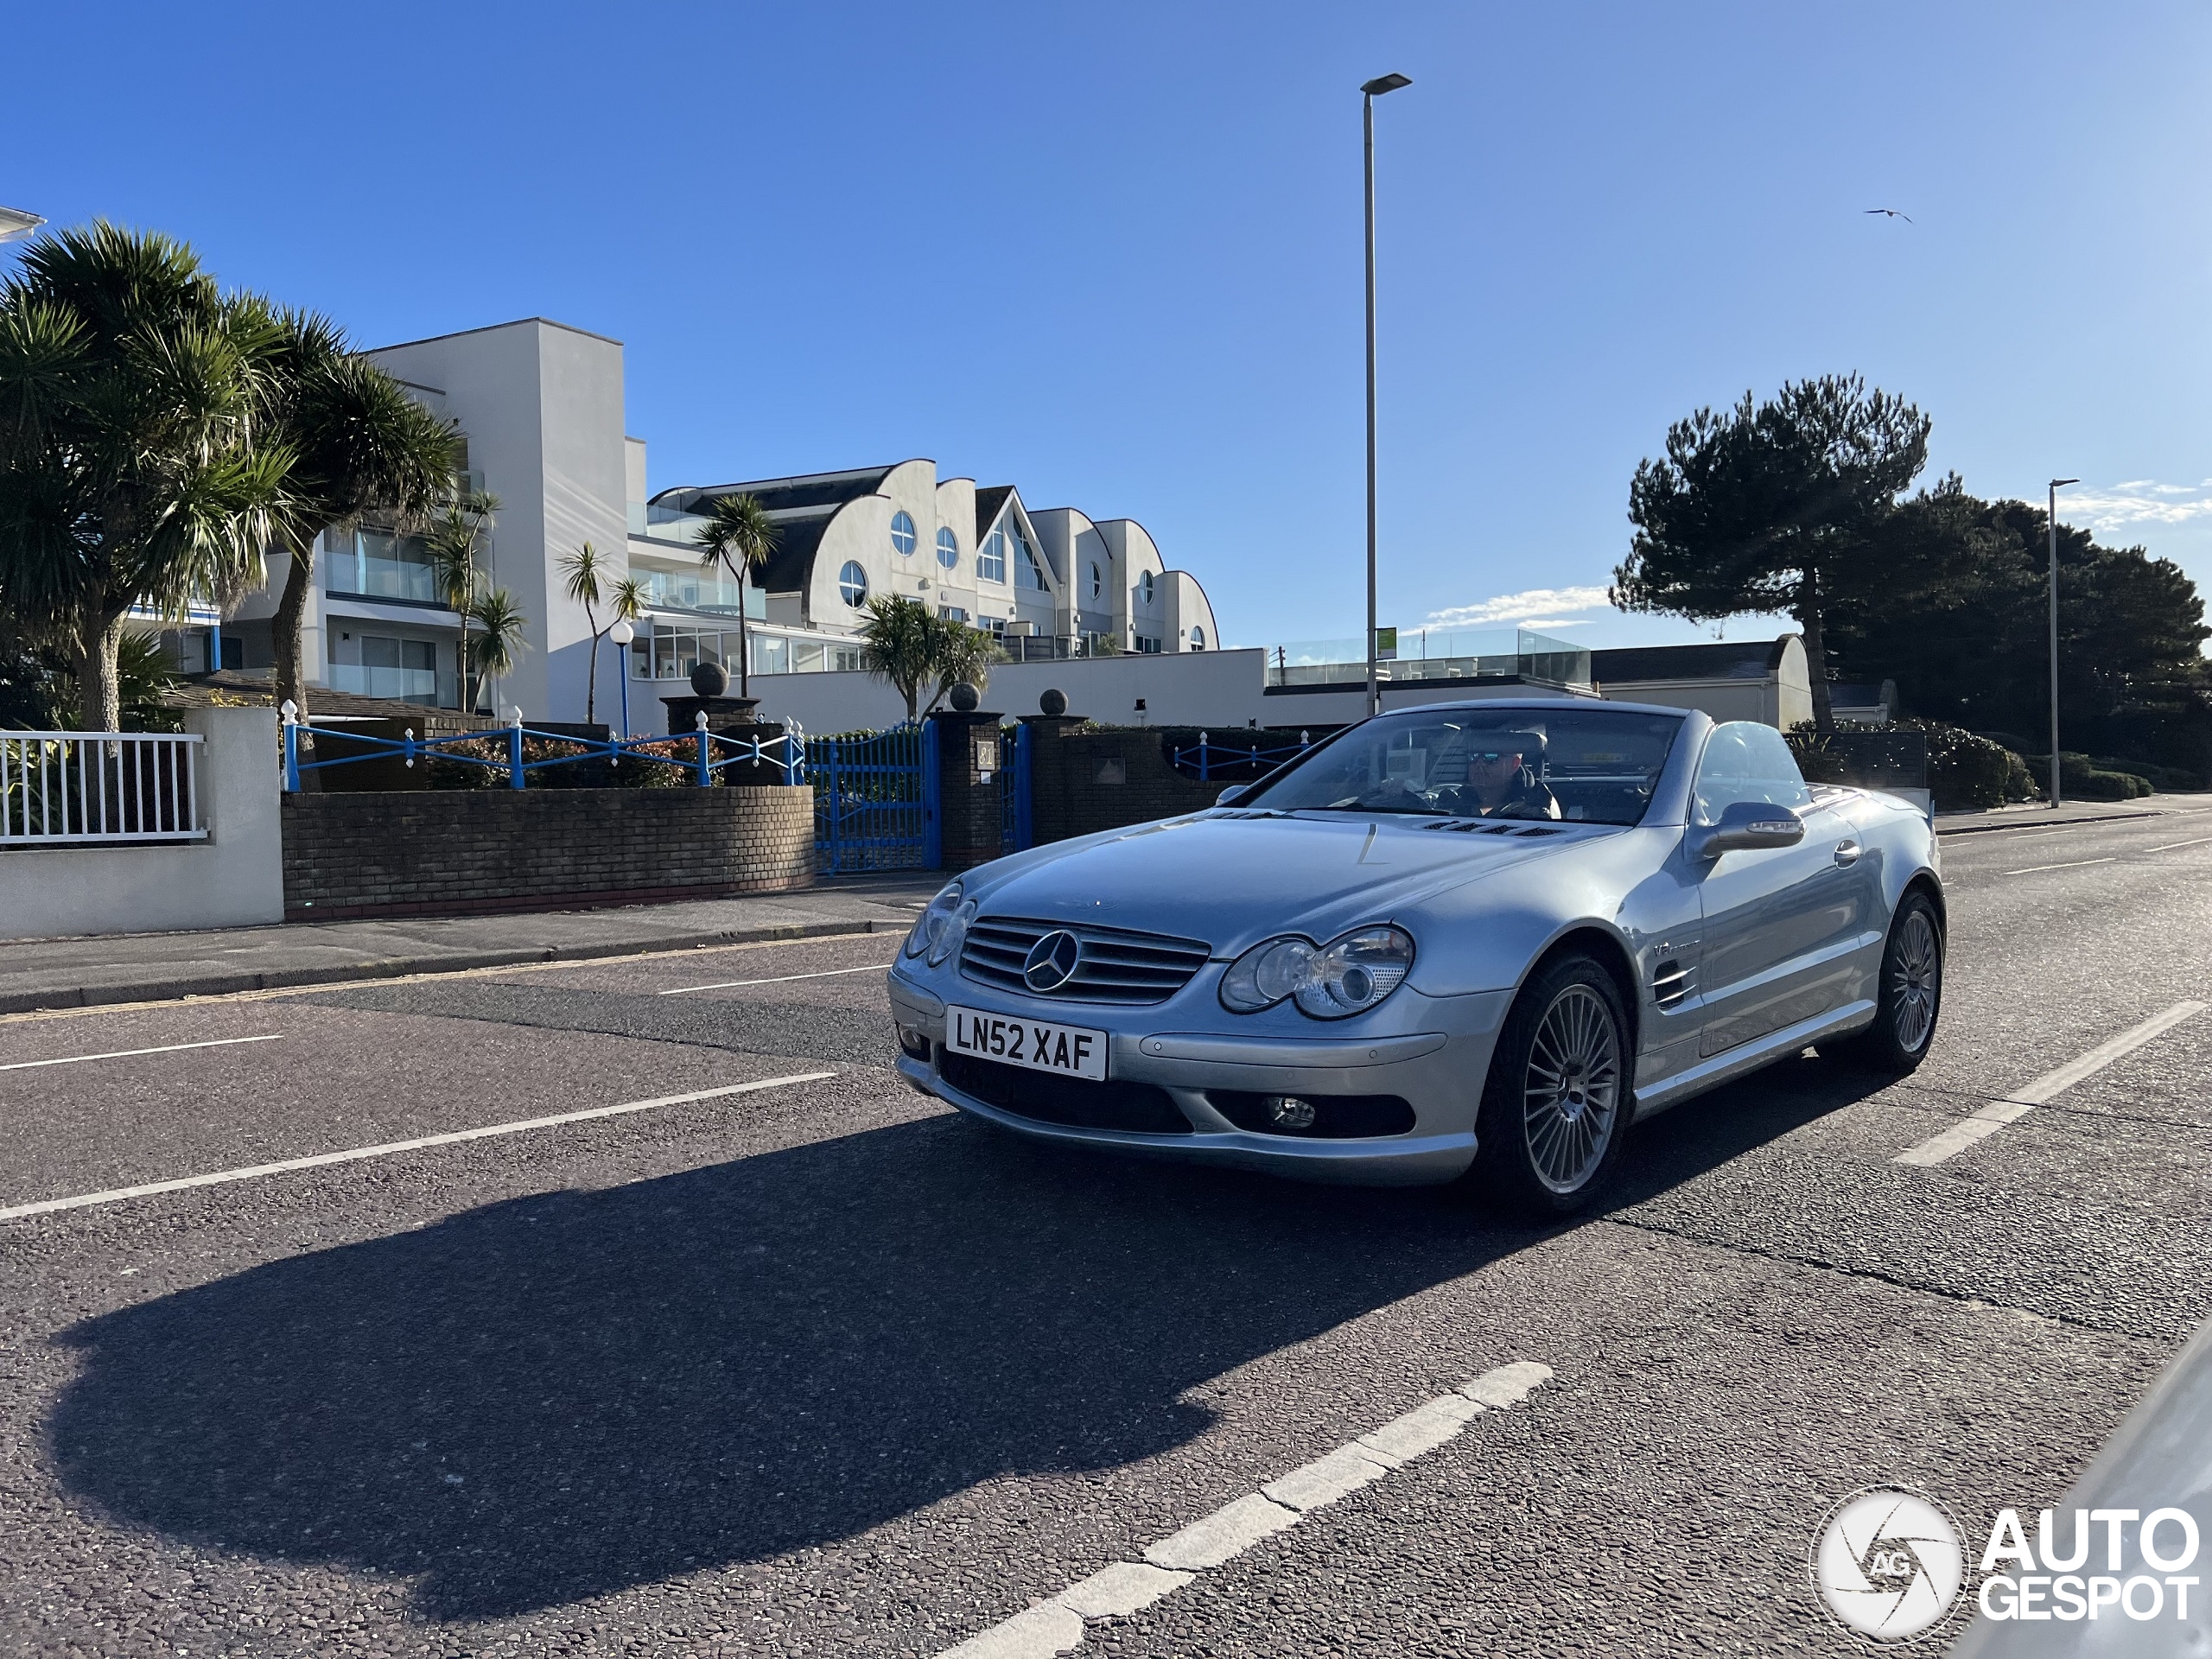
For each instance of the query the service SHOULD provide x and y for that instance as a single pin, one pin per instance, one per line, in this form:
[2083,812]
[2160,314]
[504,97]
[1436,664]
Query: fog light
[1289,1112]
[914,1043]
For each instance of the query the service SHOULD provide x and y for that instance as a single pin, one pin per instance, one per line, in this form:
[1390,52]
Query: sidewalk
[152,967]
[2035,815]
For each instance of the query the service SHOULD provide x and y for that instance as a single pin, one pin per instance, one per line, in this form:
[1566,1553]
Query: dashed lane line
[2016,1105]
[779,979]
[126,1053]
[2071,864]
[47,1206]
[1121,1589]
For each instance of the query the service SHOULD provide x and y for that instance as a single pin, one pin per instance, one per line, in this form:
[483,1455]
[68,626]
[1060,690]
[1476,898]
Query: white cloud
[2138,501]
[1525,606]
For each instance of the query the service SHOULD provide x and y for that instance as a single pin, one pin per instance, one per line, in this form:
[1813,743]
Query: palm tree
[498,638]
[136,464]
[452,535]
[625,599]
[898,646]
[963,653]
[359,443]
[738,535]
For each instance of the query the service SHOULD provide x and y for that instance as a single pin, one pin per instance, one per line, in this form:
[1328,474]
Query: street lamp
[1369,90]
[2058,788]
[622,633]
[15,223]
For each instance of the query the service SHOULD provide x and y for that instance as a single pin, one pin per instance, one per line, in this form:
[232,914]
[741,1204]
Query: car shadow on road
[561,1395]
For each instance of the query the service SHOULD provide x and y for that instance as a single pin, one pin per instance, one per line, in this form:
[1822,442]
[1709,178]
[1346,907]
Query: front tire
[1911,993]
[1556,1104]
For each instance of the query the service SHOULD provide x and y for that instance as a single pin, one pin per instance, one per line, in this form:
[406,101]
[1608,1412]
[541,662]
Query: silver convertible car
[1483,937]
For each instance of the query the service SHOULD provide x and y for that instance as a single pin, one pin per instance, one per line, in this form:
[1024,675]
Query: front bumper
[1434,1057]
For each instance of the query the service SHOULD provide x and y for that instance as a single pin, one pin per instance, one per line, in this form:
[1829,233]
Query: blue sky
[1111,254]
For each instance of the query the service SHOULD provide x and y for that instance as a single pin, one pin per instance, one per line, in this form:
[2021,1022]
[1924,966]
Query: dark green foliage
[1962,630]
[39,685]
[1965,772]
[1768,507]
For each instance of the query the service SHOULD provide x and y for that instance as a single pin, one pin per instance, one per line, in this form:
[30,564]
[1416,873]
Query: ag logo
[1888,1562]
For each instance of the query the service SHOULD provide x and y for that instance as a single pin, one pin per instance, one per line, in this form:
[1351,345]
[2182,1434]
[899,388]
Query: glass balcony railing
[421,685]
[699,590]
[1433,654]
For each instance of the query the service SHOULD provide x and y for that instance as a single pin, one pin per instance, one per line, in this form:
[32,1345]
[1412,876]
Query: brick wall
[969,787]
[1081,782]
[446,852]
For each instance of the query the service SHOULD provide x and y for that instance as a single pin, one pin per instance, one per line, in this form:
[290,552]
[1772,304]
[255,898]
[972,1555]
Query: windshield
[1584,764]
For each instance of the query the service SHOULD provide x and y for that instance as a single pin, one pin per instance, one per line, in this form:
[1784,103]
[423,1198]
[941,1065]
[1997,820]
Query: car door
[1779,921]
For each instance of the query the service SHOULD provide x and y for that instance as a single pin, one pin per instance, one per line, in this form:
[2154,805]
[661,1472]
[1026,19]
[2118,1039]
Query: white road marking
[780,979]
[47,1206]
[2016,1105]
[1057,1625]
[2073,864]
[2193,841]
[125,1053]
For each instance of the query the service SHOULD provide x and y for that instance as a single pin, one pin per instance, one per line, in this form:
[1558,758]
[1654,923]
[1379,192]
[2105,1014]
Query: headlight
[952,935]
[931,923]
[1350,975]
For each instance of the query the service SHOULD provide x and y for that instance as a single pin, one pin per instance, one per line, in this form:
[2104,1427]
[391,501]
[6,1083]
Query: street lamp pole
[2057,785]
[1369,90]
[622,633]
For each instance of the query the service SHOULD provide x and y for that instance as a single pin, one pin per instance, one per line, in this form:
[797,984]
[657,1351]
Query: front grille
[1115,966]
[1072,1102]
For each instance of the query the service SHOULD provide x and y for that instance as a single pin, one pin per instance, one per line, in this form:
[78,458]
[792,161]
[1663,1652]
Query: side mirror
[1746,827]
[1229,796]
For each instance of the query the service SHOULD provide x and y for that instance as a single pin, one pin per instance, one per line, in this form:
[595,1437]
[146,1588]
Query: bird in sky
[1892,213]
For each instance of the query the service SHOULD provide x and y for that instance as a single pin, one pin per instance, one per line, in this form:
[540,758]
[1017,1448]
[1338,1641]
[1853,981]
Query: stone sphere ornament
[1053,703]
[965,697]
[710,679]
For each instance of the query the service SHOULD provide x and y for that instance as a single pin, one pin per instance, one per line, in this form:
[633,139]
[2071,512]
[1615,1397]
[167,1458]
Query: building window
[1028,570]
[990,558]
[994,625]
[852,580]
[948,549]
[902,534]
[1149,644]
[1097,581]
[1197,639]
[952,612]
[1144,589]
[379,565]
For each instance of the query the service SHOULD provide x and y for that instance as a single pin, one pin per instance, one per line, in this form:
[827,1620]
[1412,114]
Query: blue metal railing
[701,753]
[1207,760]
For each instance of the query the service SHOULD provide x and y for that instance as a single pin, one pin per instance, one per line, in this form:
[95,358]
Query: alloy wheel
[1915,977]
[1571,1096]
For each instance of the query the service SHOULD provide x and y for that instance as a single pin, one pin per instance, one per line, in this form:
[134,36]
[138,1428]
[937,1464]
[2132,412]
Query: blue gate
[871,796]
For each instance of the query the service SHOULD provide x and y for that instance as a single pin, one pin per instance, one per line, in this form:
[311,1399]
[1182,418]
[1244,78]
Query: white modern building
[541,404]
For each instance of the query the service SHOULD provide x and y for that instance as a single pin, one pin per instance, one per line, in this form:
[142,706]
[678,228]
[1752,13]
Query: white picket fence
[85,788]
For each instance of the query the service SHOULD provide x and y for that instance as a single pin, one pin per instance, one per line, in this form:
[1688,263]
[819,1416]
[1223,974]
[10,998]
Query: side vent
[1670,983]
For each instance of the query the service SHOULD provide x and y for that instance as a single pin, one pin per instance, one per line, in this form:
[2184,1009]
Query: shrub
[2090,780]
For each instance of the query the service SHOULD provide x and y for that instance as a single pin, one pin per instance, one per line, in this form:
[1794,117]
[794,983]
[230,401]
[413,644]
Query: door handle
[1846,852]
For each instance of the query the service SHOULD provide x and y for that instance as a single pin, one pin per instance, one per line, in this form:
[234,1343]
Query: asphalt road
[820,1368]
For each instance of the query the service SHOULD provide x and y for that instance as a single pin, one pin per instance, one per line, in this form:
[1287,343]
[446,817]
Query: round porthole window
[948,549]
[902,534]
[852,582]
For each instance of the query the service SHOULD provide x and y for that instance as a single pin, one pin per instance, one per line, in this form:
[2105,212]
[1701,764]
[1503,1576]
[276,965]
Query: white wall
[233,879]
[541,404]
[1221,690]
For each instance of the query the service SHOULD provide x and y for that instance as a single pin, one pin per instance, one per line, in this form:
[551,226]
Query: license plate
[1067,1051]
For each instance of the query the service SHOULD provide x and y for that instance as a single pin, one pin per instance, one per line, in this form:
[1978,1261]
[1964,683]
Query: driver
[1499,782]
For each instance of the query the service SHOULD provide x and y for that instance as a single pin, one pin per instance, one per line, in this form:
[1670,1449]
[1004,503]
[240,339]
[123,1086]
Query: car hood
[1231,878]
